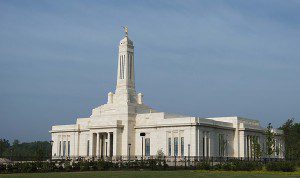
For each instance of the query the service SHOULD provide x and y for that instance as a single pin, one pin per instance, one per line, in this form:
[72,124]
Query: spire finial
[126,30]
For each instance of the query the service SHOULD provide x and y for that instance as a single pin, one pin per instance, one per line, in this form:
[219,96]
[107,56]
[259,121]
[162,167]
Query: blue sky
[58,59]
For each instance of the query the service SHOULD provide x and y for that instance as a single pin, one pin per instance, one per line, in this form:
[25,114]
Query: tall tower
[125,89]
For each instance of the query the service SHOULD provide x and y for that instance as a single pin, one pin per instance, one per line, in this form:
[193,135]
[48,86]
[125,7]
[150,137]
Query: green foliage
[104,165]
[256,147]
[281,166]
[204,166]
[232,166]
[291,138]
[39,150]
[270,140]
[4,146]
[84,166]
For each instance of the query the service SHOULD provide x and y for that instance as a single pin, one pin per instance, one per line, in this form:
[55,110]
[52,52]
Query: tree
[256,147]
[270,140]
[291,137]
[4,146]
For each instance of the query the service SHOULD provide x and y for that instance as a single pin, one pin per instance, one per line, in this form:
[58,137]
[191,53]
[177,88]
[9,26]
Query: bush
[2,168]
[48,167]
[281,166]
[76,166]
[232,166]
[84,166]
[28,167]
[68,167]
[204,166]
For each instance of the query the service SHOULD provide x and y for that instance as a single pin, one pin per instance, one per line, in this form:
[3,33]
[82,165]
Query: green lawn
[156,174]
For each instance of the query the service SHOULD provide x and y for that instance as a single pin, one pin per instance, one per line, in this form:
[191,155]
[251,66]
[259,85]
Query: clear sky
[58,59]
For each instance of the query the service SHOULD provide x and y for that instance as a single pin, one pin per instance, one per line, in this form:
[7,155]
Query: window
[182,146]
[147,147]
[169,146]
[128,66]
[88,148]
[59,149]
[176,146]
[64,148]
[207,146]
[221,145]
[69,148]
[120,72]
[203,146]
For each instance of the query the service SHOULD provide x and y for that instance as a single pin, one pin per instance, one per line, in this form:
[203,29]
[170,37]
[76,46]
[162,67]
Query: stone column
[67,146]
[91,144]
[114,143]
[197,141]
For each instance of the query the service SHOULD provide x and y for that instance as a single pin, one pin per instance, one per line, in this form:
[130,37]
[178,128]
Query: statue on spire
[126,30]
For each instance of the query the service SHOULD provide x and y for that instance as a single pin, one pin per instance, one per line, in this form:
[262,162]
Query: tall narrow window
[88,148]
[147,147]
[169,147]
[248,146]
[175,146]
[120,67]
[124,63]
[203,146]
[182,146]
[69,148]
[130,65]
[64,148]
[207,147]
[221,145]
[59,148]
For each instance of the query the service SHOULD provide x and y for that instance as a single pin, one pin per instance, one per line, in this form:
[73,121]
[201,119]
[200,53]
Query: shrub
[76,166]
[204,166]
[84,166]
[47,167]
[228,166]
[9,168]
[28,167]
[2,168]
[68,167]
[245,166]
[281,166]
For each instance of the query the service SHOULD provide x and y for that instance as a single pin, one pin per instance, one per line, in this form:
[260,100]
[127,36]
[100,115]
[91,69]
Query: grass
[155,174]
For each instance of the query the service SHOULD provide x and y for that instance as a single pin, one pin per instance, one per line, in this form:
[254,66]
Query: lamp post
[142,134]
[129,145]
[51,142]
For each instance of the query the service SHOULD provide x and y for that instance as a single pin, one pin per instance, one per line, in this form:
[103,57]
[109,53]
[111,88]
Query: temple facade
[125,126]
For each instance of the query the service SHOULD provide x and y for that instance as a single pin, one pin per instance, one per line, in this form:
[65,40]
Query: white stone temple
[125,126]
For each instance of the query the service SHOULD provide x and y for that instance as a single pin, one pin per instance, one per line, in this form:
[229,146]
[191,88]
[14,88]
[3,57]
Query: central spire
[125,88]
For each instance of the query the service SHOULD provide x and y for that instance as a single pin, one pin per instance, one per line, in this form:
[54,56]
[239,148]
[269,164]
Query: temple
[125,126]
